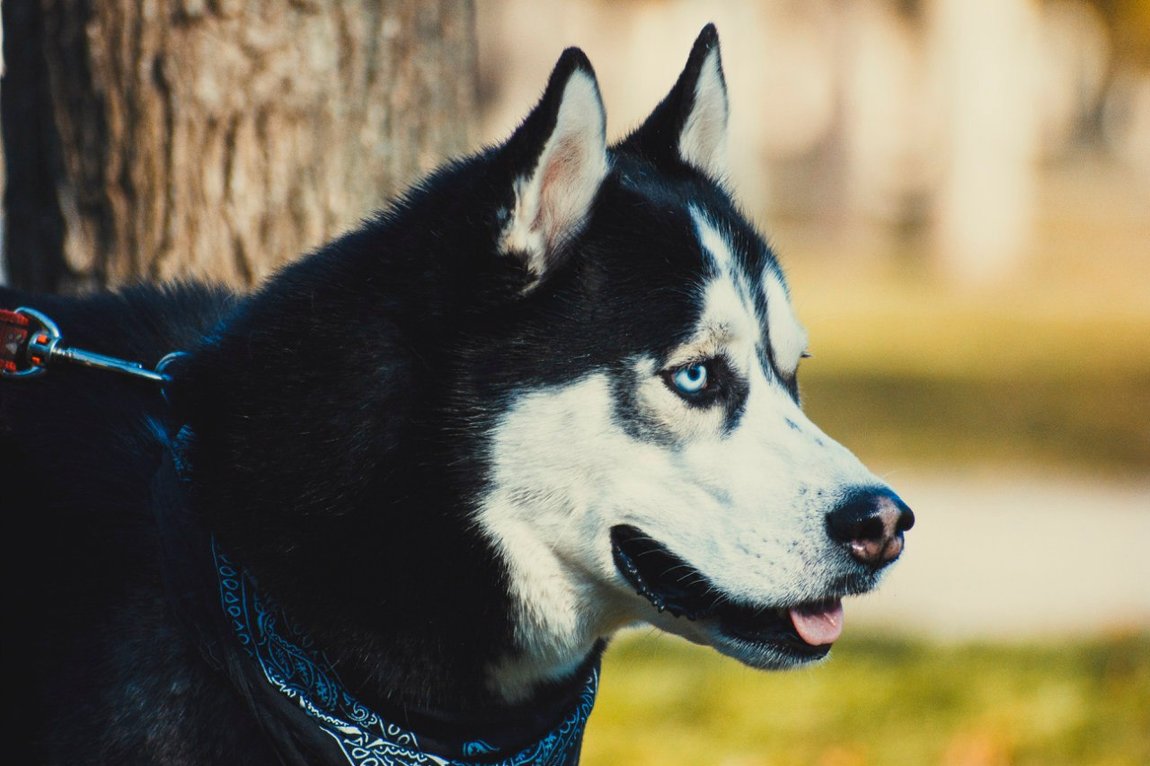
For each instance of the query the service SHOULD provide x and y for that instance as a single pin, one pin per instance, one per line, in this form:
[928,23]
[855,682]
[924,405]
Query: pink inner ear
[552,200]
[564,158]
[564,192]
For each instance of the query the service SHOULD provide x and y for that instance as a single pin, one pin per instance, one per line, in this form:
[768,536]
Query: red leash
[14,334]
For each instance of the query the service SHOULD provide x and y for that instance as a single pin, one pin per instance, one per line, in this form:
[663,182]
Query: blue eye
[692,379]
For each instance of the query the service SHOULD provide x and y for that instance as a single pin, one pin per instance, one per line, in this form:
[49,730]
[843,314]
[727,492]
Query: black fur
[340,416]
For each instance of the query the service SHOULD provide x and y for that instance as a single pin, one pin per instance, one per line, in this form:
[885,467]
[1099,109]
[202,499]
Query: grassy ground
[879,700]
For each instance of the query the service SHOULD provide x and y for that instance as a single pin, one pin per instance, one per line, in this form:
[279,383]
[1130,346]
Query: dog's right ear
[557,160]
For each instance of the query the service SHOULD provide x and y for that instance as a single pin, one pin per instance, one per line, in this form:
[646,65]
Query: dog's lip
[803,631]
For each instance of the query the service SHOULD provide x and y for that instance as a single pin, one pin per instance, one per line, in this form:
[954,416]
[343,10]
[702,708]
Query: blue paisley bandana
[291,664]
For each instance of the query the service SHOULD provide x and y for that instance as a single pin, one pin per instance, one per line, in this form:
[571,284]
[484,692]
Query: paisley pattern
[292,665]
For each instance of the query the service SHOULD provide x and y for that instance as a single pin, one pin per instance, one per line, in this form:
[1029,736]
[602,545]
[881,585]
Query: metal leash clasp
[31,341]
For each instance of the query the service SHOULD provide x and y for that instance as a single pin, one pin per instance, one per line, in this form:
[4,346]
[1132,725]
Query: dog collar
[362,736]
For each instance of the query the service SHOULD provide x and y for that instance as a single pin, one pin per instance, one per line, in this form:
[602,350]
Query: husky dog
[392,505]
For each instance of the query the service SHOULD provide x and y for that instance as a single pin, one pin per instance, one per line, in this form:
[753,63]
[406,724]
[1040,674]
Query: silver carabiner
[45,345]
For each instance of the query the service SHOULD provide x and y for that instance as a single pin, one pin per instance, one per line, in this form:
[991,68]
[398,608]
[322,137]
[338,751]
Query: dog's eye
[692,379]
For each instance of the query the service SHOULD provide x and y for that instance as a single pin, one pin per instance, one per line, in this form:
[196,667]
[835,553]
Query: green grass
[878,700]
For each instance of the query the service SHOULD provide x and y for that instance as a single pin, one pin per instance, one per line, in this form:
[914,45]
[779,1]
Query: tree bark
[156,139]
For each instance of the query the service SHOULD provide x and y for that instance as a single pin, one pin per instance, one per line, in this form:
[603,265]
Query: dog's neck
[412,605]
[548,729]
[415,615]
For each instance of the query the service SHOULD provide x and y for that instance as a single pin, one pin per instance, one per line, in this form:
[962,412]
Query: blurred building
[920,126]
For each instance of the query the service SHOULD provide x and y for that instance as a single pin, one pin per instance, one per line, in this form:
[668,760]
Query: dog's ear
[690,124]
[557,161]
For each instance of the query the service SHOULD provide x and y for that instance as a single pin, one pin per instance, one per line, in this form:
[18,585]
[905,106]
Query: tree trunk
[152,139]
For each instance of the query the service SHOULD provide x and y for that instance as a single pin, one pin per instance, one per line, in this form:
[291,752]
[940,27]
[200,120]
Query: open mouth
[789,634]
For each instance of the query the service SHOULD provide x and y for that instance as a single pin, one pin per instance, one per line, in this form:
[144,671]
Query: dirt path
[1017,558]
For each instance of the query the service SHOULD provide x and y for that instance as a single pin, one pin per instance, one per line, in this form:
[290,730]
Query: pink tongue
[819,625]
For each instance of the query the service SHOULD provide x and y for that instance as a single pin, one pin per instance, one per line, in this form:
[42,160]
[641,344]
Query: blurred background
[960,193]
[958,189]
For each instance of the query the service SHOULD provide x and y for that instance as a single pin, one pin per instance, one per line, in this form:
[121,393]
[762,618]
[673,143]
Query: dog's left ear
[557,160]
[690,125]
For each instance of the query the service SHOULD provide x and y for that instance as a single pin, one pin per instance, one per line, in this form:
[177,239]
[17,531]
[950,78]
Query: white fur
[746,507]
[546,464]
[712,242]
[715,245]
[552,201]
[788,336]
[703,140]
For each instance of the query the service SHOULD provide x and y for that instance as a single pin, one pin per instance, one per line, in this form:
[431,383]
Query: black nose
[869,523]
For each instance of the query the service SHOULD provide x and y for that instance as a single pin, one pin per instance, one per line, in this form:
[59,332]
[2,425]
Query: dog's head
[651,461]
